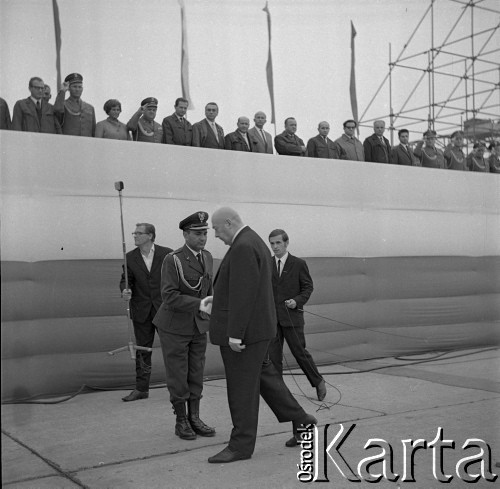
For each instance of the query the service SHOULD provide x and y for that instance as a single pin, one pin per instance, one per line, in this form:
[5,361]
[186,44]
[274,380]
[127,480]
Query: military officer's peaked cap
[195,222]
[74,78]
[150,102]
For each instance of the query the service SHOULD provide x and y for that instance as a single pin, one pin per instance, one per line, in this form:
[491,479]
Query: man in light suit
[176,128]
[239,140]
[243,322]
[207,133]
[34,114]
[402,154]
[287,143]
[186,279]
[144,274]
[377,147]
[262,141]
[350,143]
[321,146]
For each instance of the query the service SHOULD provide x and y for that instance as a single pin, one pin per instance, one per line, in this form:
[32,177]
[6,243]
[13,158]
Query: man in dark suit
[402,154]
[262,141]
[186,278]
[176,128]
[243,322]
[292,288]
[321,146]
[5,120]
[207,133]
[144,275]
[377,147]
[239,140]
[34,114]
[287,143]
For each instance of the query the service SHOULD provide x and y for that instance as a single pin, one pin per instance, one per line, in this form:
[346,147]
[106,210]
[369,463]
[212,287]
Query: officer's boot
[197,424]
[182,427]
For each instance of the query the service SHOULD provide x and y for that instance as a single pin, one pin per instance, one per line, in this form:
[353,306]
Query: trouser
[248,375]
[296,341]
[144,336]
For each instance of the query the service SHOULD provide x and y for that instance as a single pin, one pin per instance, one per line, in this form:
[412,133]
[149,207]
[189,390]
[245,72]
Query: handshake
[206,304]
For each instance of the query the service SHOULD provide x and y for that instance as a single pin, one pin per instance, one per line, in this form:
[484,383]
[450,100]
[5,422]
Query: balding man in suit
[239,139]
[262,141]
[321,146]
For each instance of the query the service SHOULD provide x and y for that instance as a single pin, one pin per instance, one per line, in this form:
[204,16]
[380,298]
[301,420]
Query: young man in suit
[207,133]
[35,114]
[176,128]
[242,323]
[402,154]
[239,140]
[186,279]
[377,147]
[262,141]
[292,288]
[144,275]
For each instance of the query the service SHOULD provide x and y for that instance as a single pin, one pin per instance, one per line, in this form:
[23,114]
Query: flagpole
[185,57]
[352,83]
[57,28]
[269,68]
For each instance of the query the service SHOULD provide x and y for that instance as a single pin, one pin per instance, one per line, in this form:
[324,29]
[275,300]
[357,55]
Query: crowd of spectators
[72,116]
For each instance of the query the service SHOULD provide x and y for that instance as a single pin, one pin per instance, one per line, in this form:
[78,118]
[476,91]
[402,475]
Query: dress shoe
[226,456]
[292,442]
[321,390]
[135,395]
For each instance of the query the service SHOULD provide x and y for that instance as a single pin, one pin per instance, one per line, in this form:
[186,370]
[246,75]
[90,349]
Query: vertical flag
[57,26]
[352,84]
[269,66]
[184,57]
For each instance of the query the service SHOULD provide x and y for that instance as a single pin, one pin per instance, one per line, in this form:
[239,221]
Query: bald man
[242,324]
[262,141]
[288,143]
[239,140]
[377,147]
[321,146]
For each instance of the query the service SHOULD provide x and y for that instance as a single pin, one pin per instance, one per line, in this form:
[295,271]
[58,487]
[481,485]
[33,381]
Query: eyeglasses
[350,127]
[137,233]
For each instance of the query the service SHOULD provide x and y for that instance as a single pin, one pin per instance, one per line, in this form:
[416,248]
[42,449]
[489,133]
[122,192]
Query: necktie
[38,105]
[200,260]
[279,268]
[264,138]
[215,131]
[39,111]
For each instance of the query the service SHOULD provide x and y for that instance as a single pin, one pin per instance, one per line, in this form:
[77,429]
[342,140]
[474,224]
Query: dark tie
[200,260]
[279,268]
[39,110]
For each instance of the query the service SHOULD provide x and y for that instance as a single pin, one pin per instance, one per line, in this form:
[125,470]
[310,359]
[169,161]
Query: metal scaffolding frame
[470,105]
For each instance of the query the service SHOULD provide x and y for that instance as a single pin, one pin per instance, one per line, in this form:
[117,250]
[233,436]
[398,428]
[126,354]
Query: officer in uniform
[186,278]
[142,123]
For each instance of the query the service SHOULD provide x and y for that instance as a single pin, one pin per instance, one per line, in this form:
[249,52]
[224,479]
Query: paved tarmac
[95,440]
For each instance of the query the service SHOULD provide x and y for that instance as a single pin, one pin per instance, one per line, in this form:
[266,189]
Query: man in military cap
[77,117]
[186,278]
[142,124]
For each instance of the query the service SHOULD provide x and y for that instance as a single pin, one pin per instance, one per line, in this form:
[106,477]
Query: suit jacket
[294,283]
[204,137]
[145,285]
[234,141]
[375,151]
[317,148]
[353,148]
[258,144]
[179,311]
[288,144]
[25,117]
[175,132]
[399,156]
[243,305]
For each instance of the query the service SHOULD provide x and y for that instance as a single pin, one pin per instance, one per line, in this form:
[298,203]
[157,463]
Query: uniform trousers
[184,358]
[144,336]
[296,341]
[248,374]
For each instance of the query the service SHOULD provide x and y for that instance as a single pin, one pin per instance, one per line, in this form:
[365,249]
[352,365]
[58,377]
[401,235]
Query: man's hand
[206,304]
[126,294]
[65,86]
[291,304]
[235,345]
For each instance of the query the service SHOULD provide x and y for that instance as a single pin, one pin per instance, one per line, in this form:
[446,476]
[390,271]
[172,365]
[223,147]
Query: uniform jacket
[203,135]
[317,148]
[454,158]
[353,148]
[145,285]
[175,132]
[243,305]
[72,124]
[288,144]
[179,310]
[375,151]
[258,144]
[25,117]
[399,156]
[294,283]
[234,141]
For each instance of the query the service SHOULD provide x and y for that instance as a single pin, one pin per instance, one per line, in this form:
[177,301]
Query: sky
[130,50]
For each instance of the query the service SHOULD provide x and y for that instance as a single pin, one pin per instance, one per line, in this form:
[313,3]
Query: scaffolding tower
[471,102]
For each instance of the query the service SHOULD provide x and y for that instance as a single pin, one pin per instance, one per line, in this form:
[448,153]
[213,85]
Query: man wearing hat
[77,117]
[186,278]
[142,124]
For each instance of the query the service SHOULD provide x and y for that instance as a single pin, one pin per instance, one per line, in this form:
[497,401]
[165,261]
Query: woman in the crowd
[112,128]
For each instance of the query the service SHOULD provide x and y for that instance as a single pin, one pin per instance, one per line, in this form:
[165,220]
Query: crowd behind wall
[73,116]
